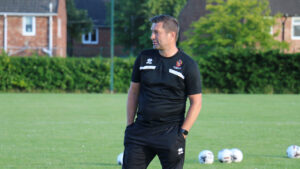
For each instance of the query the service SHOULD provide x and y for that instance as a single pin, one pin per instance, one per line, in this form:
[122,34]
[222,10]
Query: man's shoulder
[187,58]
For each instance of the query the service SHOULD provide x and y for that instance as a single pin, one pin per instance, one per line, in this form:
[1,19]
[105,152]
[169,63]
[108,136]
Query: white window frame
[295,24]
[271,30]
[33,32]
[59,27]
[89,41]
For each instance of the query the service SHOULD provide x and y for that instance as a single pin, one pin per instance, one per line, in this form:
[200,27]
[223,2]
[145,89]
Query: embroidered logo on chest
[178,64]
[149,61]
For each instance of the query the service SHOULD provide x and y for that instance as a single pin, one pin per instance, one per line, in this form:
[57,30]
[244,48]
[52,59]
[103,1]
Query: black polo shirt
[165,84]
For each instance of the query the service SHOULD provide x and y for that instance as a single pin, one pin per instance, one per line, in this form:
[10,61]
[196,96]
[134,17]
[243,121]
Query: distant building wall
[102,48]
[23,45]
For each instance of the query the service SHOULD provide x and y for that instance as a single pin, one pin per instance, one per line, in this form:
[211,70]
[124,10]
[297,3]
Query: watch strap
[185,132]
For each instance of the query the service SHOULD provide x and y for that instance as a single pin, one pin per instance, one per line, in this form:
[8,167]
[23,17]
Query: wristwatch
[185,132]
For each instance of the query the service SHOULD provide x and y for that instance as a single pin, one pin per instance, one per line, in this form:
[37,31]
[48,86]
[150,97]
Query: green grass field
[70,131]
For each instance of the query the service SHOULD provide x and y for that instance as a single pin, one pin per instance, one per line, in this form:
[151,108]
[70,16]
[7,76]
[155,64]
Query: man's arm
[132,101]
[194,109]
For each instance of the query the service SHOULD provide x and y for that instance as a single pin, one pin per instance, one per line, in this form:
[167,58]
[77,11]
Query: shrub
[239,71]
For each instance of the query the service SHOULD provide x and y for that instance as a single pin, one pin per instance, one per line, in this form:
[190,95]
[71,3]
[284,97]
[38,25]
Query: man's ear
[173,34]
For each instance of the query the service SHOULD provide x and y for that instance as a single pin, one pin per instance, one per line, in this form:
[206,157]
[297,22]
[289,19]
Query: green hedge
[231,72]
[53,74]
[250,72]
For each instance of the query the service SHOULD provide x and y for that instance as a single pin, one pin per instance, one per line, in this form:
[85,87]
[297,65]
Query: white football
[224,156]
[206,157]
[236,155]
[293,151]
[120,159]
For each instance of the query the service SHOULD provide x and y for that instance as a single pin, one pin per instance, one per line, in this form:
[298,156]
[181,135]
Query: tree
[78,23]
[233,24]
[132,24]
[170,7]
[130,16]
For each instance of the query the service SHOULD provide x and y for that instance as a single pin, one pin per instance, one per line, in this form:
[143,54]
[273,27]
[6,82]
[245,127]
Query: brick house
[288,25]
[33,26]
[97,42]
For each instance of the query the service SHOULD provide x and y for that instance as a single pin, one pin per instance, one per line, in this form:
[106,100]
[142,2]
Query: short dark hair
[169,23]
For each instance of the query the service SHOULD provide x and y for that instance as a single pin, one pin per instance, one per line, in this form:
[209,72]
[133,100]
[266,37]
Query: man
[162,79]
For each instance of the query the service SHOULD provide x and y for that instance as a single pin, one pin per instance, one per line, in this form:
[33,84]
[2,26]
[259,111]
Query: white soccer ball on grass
[236,155]
[206,157]
[293,151]
[120,159]
[224,156]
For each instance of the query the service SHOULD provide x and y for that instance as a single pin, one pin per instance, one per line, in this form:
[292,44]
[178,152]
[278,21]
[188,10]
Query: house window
[271,30]
[271,27]
[59,27]
[29,25]
[296,28]
[91,37]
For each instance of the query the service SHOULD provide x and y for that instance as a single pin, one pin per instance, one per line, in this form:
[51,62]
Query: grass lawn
[70,131]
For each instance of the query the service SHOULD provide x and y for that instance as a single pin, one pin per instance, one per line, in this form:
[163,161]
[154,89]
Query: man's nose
[152,37]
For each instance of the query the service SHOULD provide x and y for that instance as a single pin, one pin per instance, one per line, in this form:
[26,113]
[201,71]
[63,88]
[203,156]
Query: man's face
[161,39]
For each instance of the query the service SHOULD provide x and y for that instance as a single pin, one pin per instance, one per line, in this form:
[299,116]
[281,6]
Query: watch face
[185,132]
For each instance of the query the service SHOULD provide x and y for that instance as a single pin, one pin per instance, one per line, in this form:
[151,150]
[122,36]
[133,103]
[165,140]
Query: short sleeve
[193,79]
[135,76]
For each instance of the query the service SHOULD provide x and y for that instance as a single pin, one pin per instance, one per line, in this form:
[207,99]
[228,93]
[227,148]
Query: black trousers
[142,144]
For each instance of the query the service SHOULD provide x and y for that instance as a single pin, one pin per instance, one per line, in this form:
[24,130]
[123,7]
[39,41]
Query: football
[120,159]
[236,155]
[224,156]
[206,157]
[293,151]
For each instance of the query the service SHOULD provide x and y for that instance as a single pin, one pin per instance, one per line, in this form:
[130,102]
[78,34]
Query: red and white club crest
[179,63]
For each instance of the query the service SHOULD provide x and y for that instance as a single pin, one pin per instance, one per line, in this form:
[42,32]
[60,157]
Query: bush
[241,71]
[54,74]
[245,71]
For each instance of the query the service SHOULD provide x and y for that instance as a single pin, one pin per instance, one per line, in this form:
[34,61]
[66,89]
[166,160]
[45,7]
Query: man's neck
[168,52]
